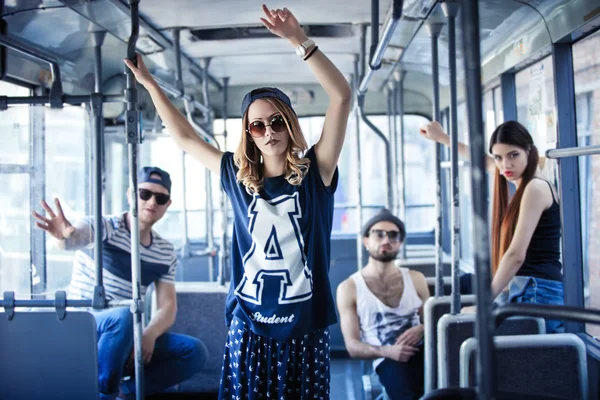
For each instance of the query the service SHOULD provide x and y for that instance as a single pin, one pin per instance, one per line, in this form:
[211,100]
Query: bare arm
[67,236]
[434,131]
[535,200]
[166,304]
[166,301]
[328,148]
[177,125]
[349,322]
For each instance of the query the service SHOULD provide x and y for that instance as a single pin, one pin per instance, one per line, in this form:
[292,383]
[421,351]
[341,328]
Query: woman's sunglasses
[258,128]
[161,198]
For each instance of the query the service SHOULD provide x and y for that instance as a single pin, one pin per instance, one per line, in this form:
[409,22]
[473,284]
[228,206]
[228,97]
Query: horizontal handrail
[547,311]
[65,99]
[573,151]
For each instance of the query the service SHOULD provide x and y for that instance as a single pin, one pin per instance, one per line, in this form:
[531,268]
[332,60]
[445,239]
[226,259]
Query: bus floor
[346,383]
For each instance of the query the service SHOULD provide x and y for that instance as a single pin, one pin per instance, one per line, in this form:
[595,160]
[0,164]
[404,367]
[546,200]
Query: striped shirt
[158,261]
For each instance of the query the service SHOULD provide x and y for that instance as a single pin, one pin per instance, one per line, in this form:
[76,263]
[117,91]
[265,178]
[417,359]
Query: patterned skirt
[258,367]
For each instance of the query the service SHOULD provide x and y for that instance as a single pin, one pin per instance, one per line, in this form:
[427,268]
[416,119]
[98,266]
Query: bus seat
[471,394]
[201,314]
[447,285]
[453,330]
[42,356]
[551,366]
[433,310]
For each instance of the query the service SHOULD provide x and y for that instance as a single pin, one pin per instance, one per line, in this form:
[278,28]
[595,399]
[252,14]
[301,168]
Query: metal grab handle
[377,53]
[547,311]
[573,152]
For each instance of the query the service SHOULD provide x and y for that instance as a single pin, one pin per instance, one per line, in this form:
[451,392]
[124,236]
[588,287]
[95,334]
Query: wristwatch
[303,48]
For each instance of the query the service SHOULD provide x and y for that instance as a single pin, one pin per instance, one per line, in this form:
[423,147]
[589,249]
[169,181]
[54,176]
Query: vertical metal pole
[179,86]
[562,57]
[394,134]
[37,192]
[386,142]
[434,31]
[178,70]
[445,155]
[509,96]
[224,250]
[374,29]
[390,94]
[362,61]
[210,235]
[185,249]
[133,138]
[96,107]
[359,206]
[486,372]
[401,179]
[450,9]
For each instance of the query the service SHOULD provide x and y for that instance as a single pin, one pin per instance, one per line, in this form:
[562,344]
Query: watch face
[300,51]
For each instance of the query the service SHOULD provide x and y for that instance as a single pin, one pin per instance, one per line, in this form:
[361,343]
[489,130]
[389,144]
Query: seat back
[433,310]
[426,266]
[42,356]
[554,366]
[201,314]
[453,330]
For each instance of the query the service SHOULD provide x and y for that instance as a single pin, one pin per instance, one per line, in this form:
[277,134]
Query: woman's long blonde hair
[247,157]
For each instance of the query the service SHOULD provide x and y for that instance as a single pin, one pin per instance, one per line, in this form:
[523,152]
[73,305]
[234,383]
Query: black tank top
[543,254]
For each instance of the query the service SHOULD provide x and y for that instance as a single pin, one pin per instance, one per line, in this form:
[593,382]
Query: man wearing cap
[381,307]
[170,358]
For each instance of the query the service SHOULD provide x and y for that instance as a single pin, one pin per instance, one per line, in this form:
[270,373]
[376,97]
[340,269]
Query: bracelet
[311,53]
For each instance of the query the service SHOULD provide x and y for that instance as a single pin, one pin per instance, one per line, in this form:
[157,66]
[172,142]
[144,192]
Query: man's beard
[384,257]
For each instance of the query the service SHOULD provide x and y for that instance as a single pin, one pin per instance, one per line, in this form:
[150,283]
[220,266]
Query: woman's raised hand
[281,22]
[433,131]
[141,73]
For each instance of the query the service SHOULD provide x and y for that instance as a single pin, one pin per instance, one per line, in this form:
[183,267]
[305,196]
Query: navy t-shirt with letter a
[280,253]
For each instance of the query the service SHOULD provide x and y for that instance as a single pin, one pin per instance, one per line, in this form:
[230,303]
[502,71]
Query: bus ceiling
[512,33]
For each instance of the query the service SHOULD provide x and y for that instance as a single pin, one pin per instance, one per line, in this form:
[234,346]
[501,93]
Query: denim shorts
[527,289]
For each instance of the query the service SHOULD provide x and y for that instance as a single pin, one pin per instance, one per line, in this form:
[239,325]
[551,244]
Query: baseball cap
[261,93]
[145,176]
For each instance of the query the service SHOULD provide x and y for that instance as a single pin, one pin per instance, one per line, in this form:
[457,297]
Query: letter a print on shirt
[277,250]
[272,249]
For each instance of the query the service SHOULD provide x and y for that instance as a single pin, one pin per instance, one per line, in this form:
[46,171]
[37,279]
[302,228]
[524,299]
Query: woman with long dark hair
[526,228]
[279,305]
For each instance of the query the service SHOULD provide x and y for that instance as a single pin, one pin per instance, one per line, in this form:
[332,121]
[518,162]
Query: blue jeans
[403,380]
[176,357]
[527,289]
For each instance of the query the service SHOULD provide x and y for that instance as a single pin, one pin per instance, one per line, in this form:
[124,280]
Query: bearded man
[381,308]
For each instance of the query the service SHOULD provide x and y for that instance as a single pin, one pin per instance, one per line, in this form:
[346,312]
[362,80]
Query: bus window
[586,68]
[420,177]
[14,128]
[67,144]
[536,108]
[15,259]
[15,246]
